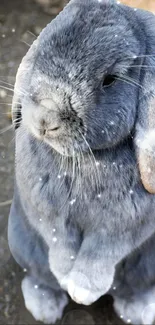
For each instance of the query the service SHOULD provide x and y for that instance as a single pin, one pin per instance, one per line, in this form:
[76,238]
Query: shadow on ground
[20,21]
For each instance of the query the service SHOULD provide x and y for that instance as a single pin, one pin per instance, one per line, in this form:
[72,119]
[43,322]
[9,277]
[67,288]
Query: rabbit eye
[108,81]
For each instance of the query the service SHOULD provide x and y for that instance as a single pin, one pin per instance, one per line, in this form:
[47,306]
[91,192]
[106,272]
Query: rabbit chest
[103,190]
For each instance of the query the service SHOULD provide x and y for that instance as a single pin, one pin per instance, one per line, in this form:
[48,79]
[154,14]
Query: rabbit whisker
[7,128]
[128,81]
[96,173]
[13,90]
[140,66]
[71,185]
[142,56]
[7,83]
[32,33]
[9,144]
[25,43]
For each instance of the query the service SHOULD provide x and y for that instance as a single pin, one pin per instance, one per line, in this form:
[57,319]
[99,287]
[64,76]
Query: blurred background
[20,23]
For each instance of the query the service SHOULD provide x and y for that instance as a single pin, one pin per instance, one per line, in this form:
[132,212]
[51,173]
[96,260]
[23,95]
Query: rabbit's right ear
[22,81]
[145,124]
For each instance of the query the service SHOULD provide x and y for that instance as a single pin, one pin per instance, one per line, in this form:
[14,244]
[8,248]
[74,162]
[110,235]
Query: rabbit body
[78,186]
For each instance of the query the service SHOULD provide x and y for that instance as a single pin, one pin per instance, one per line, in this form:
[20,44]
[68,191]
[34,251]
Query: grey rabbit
[82,219]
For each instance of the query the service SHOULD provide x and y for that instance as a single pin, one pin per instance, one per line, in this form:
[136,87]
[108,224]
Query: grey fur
[78,192]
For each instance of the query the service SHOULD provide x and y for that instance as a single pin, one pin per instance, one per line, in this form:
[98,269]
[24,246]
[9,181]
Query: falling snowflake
[72,257]
[112,123]
[72,201]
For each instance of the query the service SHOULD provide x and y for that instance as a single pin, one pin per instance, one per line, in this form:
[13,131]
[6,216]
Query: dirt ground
[20,21]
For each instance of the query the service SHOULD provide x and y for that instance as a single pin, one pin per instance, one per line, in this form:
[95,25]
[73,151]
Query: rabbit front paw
[83,289]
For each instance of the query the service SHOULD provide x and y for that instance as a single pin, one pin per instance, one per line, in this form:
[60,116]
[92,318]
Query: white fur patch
[146,140]
[80,295]
[42,304]
[148,314]
[139,310]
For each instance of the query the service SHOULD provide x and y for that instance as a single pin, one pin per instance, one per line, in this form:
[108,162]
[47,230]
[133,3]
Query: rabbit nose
[48,128]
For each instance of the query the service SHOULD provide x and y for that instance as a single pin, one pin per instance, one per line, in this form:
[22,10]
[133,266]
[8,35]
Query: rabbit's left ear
[145,126]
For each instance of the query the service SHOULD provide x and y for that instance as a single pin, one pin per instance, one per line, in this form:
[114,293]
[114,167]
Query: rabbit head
[87,82]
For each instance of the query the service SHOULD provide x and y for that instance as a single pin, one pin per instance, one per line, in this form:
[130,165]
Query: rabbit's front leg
[63,250]
[93,271]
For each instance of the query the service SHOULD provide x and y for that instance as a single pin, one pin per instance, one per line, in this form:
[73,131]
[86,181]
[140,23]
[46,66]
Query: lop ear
[145,126]
[22,82]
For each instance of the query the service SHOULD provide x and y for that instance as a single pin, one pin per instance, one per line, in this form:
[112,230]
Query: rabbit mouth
[67,146]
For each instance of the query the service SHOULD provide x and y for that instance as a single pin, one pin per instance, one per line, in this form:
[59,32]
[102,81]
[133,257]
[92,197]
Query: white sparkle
[54,230]
[116,35]
[134,56]
[65,173]
[59,176]
[128,321]
[105,166]
[114,288]
[103,131]
[36,286]
[54,239]
[118,2]
[3,35]
[149,170]
[40,179]
[114,164]
[72,257]
[99,196]
[40,220]
[72,202]
[112,123]
[43,294]
[121,316]
[25,270]
[131,191]
[13,30]
[135,9]
[97,163]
